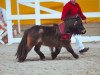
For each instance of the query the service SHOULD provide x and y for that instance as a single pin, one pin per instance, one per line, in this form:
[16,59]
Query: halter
[64,36]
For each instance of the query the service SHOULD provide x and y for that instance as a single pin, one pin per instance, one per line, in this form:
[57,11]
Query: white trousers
[79,43]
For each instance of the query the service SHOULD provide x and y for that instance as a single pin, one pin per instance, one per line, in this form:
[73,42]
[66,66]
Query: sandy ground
[64,64]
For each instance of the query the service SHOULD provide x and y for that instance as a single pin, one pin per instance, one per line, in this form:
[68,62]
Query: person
[70,10]
[2,21]
[3,28]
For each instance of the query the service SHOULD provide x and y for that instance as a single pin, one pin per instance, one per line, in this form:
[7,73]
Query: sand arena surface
[64,64]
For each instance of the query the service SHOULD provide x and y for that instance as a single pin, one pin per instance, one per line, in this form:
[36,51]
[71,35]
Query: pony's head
[76,28]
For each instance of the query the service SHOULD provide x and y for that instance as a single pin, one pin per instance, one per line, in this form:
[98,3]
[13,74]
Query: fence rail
[37,16]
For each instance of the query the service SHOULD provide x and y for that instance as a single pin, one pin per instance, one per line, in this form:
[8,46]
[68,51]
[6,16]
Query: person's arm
[64,12]
[83,17]
[81,13]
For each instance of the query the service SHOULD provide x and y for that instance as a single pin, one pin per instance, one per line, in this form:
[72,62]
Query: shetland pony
[46,35]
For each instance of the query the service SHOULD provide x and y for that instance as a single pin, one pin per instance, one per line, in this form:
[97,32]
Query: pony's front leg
[37,50]
[52,51]
[69,49]
[57,51]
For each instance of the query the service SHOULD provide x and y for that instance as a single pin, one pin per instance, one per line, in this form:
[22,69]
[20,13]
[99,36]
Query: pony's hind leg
[69,49]
[37,50]
[24,48]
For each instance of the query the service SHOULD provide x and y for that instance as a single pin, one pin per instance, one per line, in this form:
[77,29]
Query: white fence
[37,16]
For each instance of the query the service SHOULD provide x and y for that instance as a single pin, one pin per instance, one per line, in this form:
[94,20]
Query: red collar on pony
[64,36]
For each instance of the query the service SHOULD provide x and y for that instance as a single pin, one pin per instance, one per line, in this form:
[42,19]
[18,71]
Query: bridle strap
[61,27]
[63,34]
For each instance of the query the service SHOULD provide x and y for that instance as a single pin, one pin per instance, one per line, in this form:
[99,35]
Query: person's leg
[79,44]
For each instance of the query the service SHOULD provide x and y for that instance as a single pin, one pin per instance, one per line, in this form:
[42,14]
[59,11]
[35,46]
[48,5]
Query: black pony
[46,35]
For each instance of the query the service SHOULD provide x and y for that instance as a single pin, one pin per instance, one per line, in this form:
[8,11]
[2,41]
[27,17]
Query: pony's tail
[22,48]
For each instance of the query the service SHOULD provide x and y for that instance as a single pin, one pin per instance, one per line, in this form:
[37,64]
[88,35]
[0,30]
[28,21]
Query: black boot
[84,50]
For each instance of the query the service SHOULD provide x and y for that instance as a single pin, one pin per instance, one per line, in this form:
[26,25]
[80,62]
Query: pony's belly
[52,43]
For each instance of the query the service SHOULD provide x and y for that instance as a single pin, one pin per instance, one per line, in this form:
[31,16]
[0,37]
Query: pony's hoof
[76,56]
[53,56]
[21,60]
[43,59]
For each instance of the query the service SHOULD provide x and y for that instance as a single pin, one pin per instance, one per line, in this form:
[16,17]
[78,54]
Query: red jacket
[71,10]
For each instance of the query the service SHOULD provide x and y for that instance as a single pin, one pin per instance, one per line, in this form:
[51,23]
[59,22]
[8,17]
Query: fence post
[9,22]
[37,12]
[19,28]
